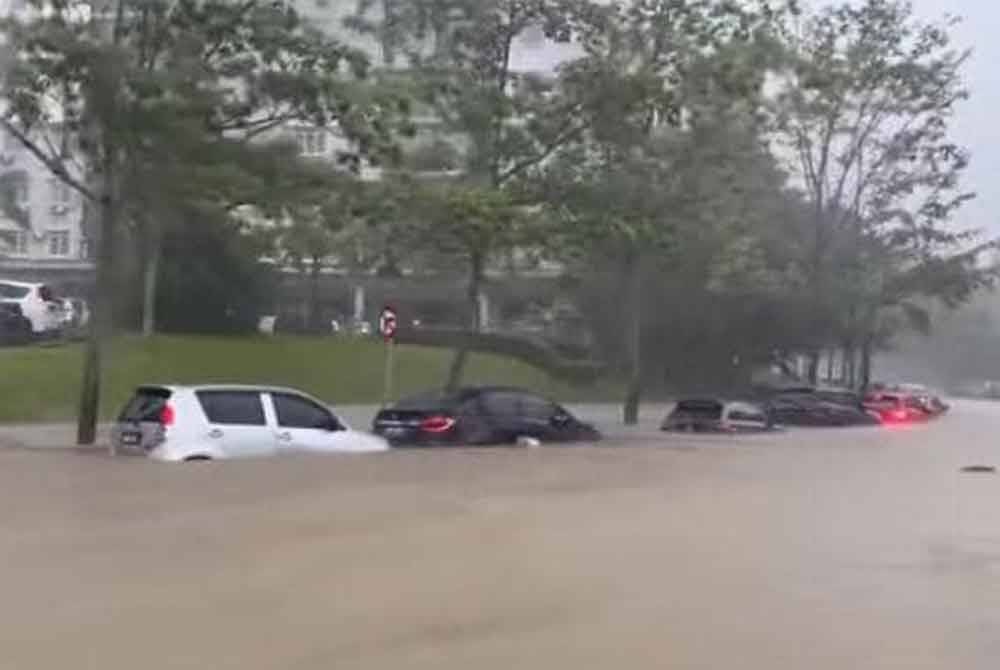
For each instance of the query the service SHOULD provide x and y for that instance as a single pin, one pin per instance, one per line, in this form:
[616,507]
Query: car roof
[707,400]
[20,284]
[467,391]
[259,388]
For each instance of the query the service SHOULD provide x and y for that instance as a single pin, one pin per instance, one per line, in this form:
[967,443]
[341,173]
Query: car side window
[743,413]
[535,407]
[501,404]
[233,408]
[298,412]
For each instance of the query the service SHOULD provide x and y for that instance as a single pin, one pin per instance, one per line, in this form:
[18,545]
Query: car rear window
[146,405]
[235,408]
[16,292]
[430,400]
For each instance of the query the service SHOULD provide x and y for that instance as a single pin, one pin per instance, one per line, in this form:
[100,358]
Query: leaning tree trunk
[633,393]
[151,276]
[461,356]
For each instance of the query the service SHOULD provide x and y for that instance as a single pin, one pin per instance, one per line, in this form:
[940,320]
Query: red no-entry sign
[387,323]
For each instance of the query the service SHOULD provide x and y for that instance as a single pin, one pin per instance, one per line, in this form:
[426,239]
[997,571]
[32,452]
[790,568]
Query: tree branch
[253,128]
[565,135]
[241,12]
[54,165]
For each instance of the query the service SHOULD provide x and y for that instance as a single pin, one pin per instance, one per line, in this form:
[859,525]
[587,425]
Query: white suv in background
[38,304]
[189,423]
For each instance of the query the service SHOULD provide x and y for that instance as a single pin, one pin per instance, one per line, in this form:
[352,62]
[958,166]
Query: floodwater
[811,550]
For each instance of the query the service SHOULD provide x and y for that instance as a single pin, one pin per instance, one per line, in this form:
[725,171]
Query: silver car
[186,423]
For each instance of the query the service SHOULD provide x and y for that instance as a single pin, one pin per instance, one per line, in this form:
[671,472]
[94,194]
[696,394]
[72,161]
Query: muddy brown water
[816,549]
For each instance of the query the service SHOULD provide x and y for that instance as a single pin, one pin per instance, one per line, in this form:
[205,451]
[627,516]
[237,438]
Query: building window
[20,189]
[312,142]
[85,248]
[16,242]
[59,243]
[62,194]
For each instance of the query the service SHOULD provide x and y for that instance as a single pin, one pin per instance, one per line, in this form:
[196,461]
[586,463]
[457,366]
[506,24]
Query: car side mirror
[561,419]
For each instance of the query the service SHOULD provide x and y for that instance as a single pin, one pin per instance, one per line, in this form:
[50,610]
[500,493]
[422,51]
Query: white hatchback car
[188,423]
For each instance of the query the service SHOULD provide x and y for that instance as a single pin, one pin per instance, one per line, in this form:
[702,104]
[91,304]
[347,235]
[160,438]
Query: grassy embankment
[41,384]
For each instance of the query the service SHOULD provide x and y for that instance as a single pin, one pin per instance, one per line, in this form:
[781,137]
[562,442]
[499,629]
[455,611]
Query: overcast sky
[976,125]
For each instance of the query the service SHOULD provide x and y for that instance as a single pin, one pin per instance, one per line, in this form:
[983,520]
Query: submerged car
[789,409]
[830,394]
[929,400]
[896,408]
[479,416]
[710,415]
[197,423]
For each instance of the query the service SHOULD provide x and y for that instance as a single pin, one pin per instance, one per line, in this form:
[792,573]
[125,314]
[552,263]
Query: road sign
[387,323]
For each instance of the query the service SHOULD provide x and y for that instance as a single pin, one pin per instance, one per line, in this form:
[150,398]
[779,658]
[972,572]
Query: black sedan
[479,416]
[788,409]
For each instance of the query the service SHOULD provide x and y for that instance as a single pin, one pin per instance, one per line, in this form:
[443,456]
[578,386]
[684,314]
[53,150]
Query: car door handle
[285,437]
[216,434]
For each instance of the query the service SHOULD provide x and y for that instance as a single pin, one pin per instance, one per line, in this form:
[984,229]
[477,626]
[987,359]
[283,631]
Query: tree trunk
[312,318]
[633,394]
[850,365]
[150,277]
[100,322]
[813,371]
[461,356]
[866,362]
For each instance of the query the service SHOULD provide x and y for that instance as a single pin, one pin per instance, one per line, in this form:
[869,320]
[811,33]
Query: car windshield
[12,291]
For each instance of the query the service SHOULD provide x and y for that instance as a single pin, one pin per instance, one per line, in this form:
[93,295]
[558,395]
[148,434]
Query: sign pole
[390,347]
[387,327]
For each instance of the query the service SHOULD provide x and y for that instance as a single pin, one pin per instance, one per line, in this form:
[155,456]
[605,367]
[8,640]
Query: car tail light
[900,414]
[167,416]
[437,424]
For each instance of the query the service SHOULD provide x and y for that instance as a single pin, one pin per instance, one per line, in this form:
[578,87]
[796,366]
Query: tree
[119,69]
[865,106]
[461,58]
[655,82]
[472,223]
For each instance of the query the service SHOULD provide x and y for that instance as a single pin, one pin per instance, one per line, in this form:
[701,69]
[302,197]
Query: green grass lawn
[41,384]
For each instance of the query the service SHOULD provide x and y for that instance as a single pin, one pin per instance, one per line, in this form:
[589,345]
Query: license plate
[131,439]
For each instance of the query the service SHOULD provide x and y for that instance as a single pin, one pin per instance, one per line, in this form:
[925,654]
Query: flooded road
[815,549]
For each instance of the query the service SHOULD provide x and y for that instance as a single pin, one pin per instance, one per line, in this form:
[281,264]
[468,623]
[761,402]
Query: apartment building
[43,234]
[41,218]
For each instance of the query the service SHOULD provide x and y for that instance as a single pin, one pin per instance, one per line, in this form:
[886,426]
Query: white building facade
[41,218]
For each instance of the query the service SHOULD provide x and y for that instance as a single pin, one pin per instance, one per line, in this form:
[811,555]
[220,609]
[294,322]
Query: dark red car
[895,408]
